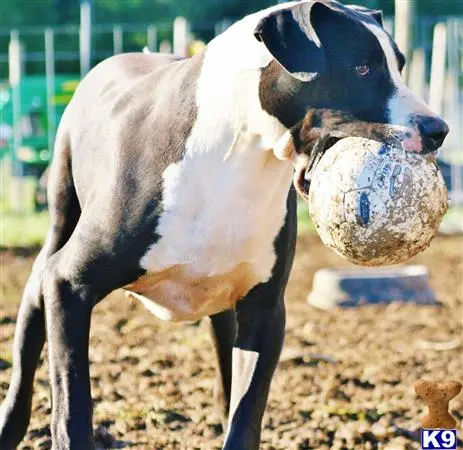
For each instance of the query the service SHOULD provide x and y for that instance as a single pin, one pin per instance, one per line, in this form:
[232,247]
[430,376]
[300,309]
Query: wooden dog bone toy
[437,395]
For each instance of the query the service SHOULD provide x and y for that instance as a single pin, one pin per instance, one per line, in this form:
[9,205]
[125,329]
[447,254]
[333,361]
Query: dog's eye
[362,70]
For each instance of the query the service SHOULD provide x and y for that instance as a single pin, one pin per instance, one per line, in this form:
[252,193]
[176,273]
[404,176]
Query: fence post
[85,36]
[417,72]
[165,47]
[454,113]
[180,37]
[118,39]
[152,38]
[403,29]
[437,80]
[50,77]
[15,65]
[222,25]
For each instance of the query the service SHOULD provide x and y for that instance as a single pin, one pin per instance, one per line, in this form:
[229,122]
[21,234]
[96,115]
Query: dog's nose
[433,130]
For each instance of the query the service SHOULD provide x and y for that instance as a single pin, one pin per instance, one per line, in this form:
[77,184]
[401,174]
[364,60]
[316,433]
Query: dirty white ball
[374,204]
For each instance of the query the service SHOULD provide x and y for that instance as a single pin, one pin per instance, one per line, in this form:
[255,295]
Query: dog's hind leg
[30,327]
[223,330]
[89,266]
[68,306]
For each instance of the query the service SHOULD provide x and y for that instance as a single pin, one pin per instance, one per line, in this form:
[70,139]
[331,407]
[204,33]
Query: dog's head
[330,56]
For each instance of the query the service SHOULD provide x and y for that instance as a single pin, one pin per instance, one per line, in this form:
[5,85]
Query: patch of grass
[453,220]
[304,221]
[22,230]
[19,229]
[29,229]
[452,155]
[455,213]
[6,355]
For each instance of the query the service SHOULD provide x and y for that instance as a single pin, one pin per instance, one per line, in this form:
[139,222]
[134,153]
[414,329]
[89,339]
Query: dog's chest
[178,293]
[217,233]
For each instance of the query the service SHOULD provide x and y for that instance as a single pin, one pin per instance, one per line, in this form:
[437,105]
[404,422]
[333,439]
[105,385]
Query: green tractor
[33,155]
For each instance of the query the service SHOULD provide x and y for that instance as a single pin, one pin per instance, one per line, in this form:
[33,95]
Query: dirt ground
[345,380]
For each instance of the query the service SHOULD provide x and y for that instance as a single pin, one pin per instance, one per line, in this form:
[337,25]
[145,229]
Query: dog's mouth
[407,138]
[306,164]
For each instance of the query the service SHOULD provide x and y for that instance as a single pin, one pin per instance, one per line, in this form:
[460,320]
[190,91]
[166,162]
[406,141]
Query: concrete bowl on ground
[357,286]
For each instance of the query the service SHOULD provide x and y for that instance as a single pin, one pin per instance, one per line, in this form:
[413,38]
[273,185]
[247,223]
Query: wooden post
[50,77]
[85,36]
[437,80]
[180,37]
[152,38]
[403,29]
[118,39]
[222,25]
[15,65]
[454,114]
[165,47]
[417,71]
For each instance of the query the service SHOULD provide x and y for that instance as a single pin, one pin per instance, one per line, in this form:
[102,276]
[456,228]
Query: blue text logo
[438,439]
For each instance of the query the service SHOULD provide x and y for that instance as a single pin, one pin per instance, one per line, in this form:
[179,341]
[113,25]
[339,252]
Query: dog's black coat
[344,44]
[129,121]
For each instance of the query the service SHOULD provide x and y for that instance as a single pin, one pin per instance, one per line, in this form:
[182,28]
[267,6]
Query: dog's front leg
[223,330]
[255,356]
[261,323]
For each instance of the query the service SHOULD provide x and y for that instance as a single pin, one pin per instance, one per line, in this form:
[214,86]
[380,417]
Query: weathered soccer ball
[374,204]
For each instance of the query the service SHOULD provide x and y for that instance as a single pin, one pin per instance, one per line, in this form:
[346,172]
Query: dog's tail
[63,203]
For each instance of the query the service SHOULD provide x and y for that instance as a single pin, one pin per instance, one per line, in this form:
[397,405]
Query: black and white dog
[172,179]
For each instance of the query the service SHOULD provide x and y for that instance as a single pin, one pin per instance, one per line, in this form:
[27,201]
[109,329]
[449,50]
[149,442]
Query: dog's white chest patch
[225,201]
[217,231]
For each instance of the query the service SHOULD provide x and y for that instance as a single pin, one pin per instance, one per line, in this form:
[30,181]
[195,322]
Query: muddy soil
[345,380]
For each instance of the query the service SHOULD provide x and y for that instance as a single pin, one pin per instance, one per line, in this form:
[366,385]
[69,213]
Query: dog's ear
[376,14]
[290,37]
